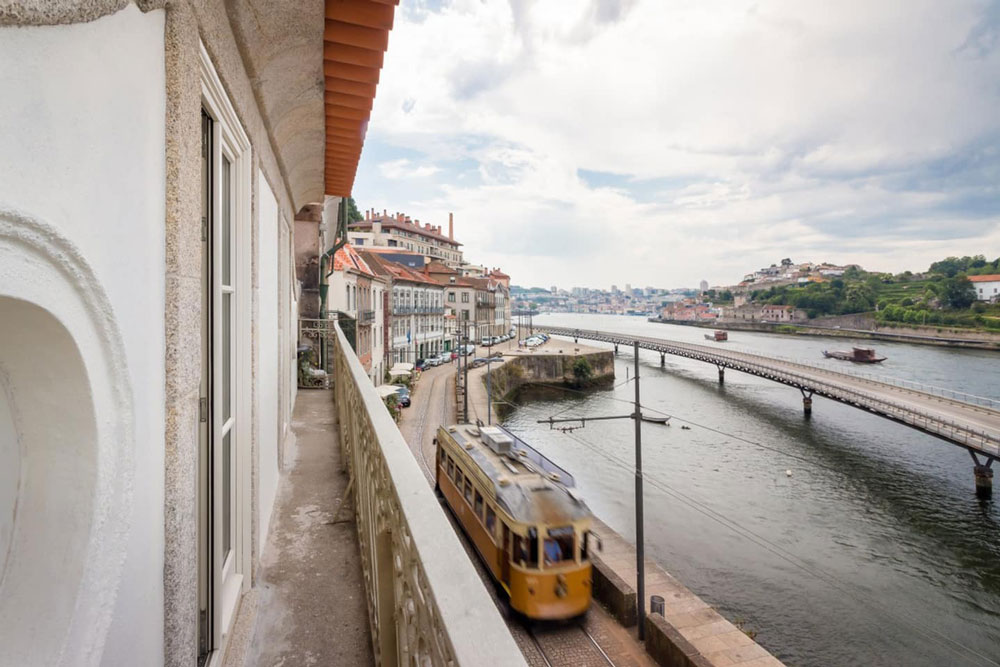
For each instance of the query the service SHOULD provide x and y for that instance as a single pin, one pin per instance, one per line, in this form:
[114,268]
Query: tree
[353,214]
[582,370]
[859,297]
[959,292]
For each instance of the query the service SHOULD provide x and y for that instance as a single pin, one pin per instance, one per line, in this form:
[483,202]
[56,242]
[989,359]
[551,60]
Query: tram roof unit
[529,486]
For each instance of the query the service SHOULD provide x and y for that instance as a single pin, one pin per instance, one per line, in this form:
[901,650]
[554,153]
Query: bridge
[971,422]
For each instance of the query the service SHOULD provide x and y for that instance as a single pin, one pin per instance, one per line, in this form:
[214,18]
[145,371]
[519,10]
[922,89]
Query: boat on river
[860,355]
[719,336]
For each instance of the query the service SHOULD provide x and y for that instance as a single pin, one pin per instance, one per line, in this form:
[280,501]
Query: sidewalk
[312,608]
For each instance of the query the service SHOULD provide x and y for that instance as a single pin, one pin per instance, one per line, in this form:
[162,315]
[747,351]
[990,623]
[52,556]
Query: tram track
[566,647]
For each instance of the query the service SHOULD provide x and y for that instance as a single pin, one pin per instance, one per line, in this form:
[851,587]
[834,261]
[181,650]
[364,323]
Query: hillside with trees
[943,295]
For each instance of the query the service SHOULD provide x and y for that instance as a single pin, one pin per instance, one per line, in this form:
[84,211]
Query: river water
[873,551]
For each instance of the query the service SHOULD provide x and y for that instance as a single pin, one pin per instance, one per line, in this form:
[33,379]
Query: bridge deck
[969,421]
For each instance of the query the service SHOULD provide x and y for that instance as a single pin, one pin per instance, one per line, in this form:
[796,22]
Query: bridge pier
[616,348]
[722,374]
[807,403]
[983,473]
[663,359]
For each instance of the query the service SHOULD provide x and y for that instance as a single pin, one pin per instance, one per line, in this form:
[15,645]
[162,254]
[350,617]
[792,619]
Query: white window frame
[230,139]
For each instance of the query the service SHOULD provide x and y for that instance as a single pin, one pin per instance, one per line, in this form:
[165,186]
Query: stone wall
[540,370]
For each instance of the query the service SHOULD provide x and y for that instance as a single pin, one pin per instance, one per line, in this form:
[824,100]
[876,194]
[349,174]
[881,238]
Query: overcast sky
[660,142]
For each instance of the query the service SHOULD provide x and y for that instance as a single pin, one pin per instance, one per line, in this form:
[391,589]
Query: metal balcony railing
[418,310]
[426,604]
[366,316]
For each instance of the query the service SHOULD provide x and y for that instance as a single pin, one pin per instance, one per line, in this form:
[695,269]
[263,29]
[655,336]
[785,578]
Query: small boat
[861,355]
[718,336]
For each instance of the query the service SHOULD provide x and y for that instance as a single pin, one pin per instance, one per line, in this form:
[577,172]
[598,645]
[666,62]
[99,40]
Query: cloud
[405,169]
[600,142]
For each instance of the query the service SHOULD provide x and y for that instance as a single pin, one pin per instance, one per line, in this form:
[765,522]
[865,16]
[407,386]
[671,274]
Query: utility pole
[640,565]
[465,384]
[640,551]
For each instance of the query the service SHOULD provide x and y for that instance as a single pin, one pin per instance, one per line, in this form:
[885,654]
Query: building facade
[987,287]
[152,172]
[402,232]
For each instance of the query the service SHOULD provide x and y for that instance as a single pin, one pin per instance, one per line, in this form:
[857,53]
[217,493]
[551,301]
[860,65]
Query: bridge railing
[763,366]
[426,604]
[942,392]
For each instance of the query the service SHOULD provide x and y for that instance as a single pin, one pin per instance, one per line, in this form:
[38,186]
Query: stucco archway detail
[66,419]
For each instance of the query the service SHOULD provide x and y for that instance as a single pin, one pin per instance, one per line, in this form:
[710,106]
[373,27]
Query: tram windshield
[559,545]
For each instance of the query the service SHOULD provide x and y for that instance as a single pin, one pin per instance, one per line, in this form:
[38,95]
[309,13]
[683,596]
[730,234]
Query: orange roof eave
[355,37]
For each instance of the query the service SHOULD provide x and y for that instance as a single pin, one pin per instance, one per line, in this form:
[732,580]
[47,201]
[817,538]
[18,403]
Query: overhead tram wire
[930,633]
[678,418]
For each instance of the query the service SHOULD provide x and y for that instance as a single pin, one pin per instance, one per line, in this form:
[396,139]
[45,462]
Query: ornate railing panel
[426,604]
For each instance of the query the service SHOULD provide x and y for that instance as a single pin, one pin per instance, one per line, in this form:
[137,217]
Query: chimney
[451,226]
[368,215]
[385,213]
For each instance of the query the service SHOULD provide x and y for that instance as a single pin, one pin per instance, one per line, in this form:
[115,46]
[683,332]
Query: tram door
[505,554]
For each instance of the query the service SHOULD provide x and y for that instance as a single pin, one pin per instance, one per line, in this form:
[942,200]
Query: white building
[154,156]
[987,287]
[402,232]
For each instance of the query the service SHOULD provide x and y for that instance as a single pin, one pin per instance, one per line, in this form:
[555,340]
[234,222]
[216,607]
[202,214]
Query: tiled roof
[348,259]
[397,271]
[988,278]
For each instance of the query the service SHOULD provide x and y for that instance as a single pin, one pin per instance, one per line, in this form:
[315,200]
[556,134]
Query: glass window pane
[227,506]
[226,350]
[226,222]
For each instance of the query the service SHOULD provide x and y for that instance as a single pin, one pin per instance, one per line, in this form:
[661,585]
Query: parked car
[444,358]
[468,349]
[485,341]
[453,355]
[432,361]
[404,396]
[420,365]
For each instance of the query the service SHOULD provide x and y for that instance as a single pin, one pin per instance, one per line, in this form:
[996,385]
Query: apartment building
[416,311]
[402,232]
[355,293]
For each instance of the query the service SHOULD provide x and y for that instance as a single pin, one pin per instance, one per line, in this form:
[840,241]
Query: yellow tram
[521,513]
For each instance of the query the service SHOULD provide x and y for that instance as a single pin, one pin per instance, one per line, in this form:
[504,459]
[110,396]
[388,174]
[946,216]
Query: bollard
[656,604]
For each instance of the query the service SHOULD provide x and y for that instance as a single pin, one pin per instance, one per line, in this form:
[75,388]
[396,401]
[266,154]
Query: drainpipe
[340,239]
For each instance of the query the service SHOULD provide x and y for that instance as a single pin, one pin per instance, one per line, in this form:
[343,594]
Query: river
[874,550]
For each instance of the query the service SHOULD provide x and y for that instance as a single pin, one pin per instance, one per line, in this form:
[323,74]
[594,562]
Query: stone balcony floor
[311,601]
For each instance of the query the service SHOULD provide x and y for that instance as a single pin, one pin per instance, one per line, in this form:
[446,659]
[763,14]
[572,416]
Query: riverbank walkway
[968,421]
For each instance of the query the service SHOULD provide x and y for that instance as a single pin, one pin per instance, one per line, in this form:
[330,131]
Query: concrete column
[984,480]
[616,348]
[663,359]
[807,406]
[722,375]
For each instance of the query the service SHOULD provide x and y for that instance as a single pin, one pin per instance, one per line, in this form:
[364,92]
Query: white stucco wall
[83,150]
[267,353]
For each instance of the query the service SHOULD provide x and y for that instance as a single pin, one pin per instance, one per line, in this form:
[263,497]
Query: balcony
[418,310]
[383,539]
[366,316]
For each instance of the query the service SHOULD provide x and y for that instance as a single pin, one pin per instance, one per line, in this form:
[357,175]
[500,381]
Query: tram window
[478,506]
[491,519]
[451,468]
[526,549]
[559,545]
[458,478]
[468,491]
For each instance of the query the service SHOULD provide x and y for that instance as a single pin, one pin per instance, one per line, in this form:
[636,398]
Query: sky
[662,142]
